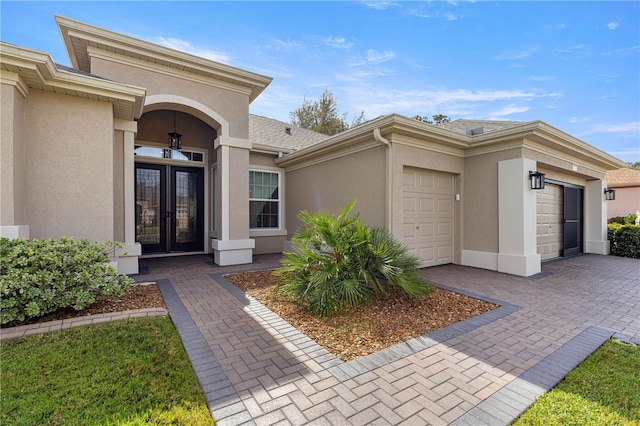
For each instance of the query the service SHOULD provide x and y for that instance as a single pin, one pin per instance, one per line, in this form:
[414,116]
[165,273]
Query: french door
[169,208]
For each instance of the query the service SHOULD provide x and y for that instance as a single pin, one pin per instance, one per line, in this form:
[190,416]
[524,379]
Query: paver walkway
[256,369]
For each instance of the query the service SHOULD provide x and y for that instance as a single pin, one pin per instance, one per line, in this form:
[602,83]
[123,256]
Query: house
[157,149]
[626,183]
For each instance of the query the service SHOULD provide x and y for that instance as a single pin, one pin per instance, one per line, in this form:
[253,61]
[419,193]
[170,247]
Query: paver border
[508,403]
[221,396]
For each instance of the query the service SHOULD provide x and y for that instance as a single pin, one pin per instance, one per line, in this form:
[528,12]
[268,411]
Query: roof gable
[82,40]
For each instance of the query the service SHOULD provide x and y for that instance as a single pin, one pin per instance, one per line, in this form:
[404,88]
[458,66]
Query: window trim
[274,230]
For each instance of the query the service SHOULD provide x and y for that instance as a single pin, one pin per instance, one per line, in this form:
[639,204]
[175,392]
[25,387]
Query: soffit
[80,38]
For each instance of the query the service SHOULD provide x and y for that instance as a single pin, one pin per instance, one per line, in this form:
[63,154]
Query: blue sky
[574,65]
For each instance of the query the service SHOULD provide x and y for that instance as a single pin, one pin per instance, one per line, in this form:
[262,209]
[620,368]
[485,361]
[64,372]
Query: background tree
[635,165]
[322,115]
[437,119]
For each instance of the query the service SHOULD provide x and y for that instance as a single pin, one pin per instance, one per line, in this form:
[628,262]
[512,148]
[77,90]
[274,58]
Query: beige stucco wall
[262,159]
[118,186]
[239,194]
[480,198]
[69,155]
[11,157]
[330,185]
[232,106]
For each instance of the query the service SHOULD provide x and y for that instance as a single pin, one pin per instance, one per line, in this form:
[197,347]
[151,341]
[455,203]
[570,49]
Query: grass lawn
[123,372]
[603,390]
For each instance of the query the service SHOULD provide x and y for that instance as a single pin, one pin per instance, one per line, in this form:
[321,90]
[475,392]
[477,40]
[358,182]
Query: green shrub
[624,240]
[38,277]
[340,262]
[629,219]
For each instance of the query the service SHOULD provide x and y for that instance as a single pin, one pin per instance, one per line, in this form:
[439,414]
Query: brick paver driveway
[256,369]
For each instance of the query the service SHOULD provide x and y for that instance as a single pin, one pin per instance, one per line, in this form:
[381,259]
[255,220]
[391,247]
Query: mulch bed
[138,297]
[381,323]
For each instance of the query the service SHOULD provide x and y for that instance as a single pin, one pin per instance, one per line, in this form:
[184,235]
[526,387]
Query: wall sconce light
[537,180]
[609,194]
[174,137]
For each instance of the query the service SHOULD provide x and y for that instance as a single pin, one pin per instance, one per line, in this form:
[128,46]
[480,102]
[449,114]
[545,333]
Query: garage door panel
[428,229]
[549,218]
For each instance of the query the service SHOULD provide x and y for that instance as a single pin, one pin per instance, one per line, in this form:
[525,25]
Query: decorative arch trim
[182,104]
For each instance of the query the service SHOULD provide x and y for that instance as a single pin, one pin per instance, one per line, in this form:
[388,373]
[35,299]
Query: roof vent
[476,131]
[287,130]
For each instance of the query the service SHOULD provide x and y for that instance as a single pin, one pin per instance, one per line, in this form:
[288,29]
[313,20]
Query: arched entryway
[171,185]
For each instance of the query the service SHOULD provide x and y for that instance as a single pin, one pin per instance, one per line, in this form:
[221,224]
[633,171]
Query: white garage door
[428,215]
[549,221]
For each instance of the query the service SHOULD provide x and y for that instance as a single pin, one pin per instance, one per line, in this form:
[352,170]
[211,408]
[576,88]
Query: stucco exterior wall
[118,186]
[69,154]
[233,106]
[330,185]
[565,164]
[239,194]
[627,201]
[11,157]
[261,159]
[480,198]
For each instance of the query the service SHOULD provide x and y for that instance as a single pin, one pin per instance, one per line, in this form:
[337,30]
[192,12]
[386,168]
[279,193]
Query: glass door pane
[188,209]
[150,207]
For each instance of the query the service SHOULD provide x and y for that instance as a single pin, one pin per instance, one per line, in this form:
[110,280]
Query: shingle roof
[463,126]
[624,177]
[273,133]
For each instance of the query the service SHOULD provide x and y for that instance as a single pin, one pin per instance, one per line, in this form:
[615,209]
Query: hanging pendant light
[175,137]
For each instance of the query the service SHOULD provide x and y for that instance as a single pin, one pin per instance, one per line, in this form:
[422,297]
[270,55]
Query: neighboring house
[85,153]
[626,183]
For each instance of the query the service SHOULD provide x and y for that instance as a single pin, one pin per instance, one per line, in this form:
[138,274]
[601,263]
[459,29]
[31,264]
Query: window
[155,152]
[264,200]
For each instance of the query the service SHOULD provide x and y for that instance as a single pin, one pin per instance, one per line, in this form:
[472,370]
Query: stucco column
[595,218]
[517,218]
[233,245]
[12,186]
[127,257]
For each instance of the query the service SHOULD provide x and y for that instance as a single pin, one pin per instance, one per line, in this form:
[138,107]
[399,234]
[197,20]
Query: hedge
[624,240]
[40,276]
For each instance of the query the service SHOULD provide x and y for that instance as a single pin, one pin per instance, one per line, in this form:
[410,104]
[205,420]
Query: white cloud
[627,154]
[457,102]
[516,56]
[506,111]
[613,25]
[380,5]
[555,27]
[543,78]
[338,42]
[449,16]
[630,128]
[282,45]
[375,57]
[187,47]
[579,120]
[372,56]
[576,48]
